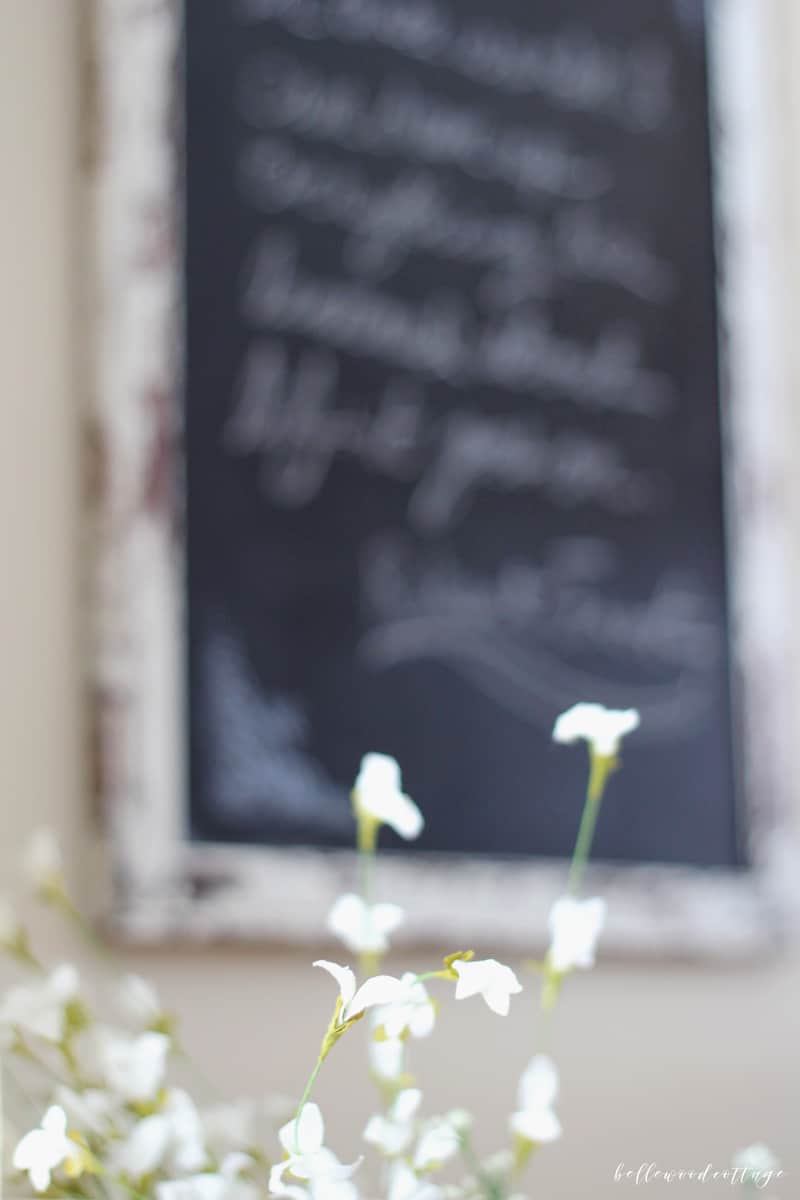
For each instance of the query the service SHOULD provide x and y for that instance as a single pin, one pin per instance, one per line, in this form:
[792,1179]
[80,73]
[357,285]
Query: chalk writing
[572,68]
[414,211]
[293,419]
[520,350]
[452,417]
[403,118]
[518,634]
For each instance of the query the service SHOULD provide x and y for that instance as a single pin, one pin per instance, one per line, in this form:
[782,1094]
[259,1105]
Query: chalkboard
[452,415]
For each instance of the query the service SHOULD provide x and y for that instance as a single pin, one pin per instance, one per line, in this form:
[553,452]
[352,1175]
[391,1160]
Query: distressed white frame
[164,886]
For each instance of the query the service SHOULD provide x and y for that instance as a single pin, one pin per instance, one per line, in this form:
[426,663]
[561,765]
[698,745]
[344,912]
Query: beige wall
[672,1064]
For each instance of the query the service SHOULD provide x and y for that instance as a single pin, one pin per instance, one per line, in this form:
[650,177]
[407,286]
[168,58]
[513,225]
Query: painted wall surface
[675,1065]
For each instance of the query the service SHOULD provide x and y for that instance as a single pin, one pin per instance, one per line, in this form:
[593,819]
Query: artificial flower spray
[105,1120]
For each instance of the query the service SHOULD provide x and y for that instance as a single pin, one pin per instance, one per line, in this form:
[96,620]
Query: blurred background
[667,1063]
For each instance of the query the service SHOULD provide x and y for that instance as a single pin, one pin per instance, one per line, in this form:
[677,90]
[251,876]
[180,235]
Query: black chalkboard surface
[452,416]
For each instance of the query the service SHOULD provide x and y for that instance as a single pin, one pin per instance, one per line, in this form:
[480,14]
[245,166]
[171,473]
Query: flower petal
[469,983]
[276,1185]
[235,1163]
[405,818]
[378,792]
[387,917]
[343,976]
[339,1171]
[386,1057]
[134,1067]
[40,1177]
[575,926]
[363,928]
[538,1125]
[306,1134]
[406,1104]
[577,722]
[405,1185]
[310,1129]
[54,1121]
[757,1159]
[498,1000]
[380,989]
[347,917]
[436,1145]
[391,1137]
[26,1152]
[601,727]
[144,1149]
[378,773]
[488,978]
[538,1086]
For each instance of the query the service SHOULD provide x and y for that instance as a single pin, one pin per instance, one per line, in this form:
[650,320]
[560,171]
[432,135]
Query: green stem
[545,1027]
[128,1187]
[312,1079]
[24,1051]
[489,1187]
[22,953]
[426,975]
[600,767]
[365,862]
[112,962]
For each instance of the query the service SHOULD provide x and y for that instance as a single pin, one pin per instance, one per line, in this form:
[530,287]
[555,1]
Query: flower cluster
[109,1121]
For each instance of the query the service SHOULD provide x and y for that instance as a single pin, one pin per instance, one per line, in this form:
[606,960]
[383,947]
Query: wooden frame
[166,887]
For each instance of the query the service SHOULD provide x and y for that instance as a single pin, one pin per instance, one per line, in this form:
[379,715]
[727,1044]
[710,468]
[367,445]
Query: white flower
[757,1157]
[437,1143]
[392,1132]
[224,1184]
[40,1008]
[758,1165]
[132,1066]
[459,1120]
[321,1187]
[211,1186]
[308,1157]
[43,862]
[143,1150]
[575,926]
[494,981]
[405,1185]
[379,989]
[601,727]
[535,1120]
[139,1002]
[171,1138]
[378,793]
[386,1057]
[412,1012]
[187,1151]
[45,1148]
[499,1164]
[364,928]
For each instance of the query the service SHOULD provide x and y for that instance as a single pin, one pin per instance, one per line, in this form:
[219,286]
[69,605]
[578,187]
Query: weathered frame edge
[167,888]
